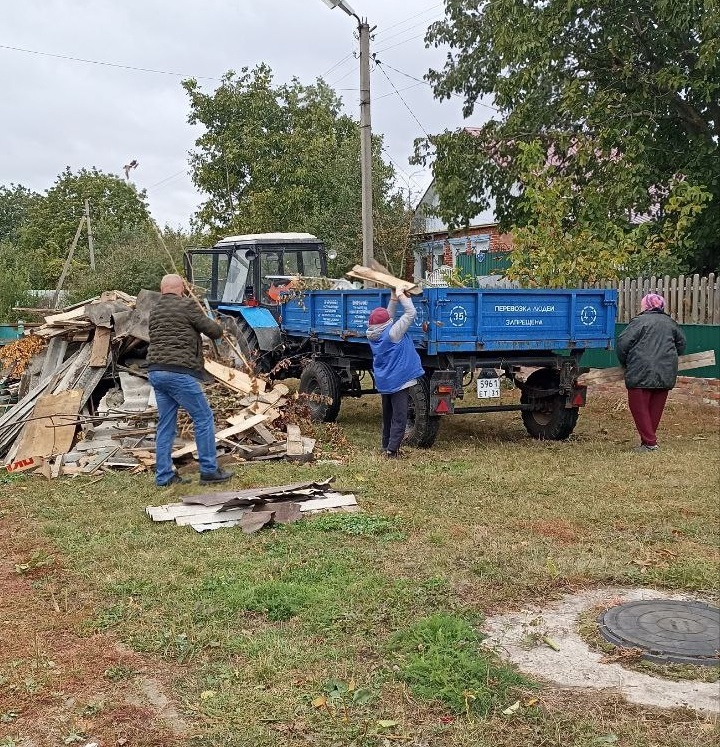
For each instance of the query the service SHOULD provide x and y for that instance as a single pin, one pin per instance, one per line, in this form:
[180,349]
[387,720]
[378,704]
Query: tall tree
[283,158]
[640,79]
[118,212]
[16,202]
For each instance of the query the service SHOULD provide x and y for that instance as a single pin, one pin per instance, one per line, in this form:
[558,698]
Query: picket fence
[689,299]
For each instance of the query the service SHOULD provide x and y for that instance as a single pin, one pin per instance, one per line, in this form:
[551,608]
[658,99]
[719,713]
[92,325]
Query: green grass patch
[487,519]
[440,658]
[358,525]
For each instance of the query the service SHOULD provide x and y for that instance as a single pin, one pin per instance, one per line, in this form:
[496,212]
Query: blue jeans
[174,390]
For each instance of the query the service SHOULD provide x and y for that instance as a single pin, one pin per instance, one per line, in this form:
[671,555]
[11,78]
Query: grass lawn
[360,629]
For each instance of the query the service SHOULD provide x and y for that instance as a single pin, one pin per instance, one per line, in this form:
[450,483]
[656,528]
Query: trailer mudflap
[577,397]
[443,390]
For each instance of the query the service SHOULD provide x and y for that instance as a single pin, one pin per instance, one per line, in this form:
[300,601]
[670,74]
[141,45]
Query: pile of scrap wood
[254,508]
[85,403]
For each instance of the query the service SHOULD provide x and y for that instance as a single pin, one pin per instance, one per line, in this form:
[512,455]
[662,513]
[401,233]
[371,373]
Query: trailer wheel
[320,380]
[552,420]
[422,425]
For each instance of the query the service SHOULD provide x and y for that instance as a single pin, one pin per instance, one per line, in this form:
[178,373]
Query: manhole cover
[666,630]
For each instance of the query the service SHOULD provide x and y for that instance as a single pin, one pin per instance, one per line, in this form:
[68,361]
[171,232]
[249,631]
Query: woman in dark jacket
[648,348]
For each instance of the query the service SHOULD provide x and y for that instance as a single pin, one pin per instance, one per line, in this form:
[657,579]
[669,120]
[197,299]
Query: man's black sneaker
[218,476]
[174,480]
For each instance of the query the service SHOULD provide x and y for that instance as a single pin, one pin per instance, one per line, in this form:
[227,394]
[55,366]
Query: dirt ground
[59,682]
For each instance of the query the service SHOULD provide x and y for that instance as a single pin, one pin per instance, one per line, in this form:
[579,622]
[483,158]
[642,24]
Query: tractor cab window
[270,270]
[291,263]
[237,278]
[311,263]
[201,272]
[209,273]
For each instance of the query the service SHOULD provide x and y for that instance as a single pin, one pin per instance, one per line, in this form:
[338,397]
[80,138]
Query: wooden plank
[265,433]
[100,348]
[225,433]
[54,354]
[695,314]
[365,273]
[234,379]
[703,315]
[609,375]
[295,450]
[52,426]
[66,316]
[711,298]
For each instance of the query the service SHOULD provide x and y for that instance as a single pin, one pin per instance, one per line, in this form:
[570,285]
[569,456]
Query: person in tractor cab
[175,369]
[396,367]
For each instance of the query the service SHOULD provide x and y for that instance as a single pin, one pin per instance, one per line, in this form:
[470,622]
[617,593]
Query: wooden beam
[610,375]
[390,281]
[234,379]
[100,348]
[225,433]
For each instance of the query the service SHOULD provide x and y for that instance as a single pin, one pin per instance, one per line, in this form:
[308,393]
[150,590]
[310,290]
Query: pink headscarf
[652,301]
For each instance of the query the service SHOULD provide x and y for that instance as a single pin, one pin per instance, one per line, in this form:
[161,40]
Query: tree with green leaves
[118,213]
[626,91]
[285,158]
[16,202]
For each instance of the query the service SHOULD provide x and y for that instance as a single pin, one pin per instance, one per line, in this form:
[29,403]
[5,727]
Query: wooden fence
[688,300]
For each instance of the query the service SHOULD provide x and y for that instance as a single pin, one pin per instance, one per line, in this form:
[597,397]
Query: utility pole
[66,266]
[366,143]
[90,236]
[365,128]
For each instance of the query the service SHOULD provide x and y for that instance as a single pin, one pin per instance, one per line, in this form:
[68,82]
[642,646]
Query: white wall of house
[431,224]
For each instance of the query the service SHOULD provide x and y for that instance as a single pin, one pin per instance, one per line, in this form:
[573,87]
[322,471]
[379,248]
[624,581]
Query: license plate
[488,388]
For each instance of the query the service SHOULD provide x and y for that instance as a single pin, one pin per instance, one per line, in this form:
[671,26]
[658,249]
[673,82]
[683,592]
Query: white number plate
[488,388]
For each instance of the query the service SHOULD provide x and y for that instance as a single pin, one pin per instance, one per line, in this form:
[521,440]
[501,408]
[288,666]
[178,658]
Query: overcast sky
[59,112]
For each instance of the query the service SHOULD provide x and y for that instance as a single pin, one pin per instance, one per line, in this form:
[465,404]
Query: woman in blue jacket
[396,367]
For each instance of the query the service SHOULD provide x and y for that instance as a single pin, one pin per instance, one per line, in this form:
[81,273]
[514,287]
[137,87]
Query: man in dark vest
[396,367]
[176,368]
[648,348]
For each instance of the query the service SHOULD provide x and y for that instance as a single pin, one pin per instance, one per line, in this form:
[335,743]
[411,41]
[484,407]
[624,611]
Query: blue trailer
[464,336]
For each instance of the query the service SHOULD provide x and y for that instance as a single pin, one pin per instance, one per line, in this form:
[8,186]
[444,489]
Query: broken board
[51,427]
[610,375]
[234,379]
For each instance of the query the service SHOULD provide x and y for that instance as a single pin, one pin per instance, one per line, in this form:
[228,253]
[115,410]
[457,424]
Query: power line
[106,64]
[337,64]
[424,82]
[426,23]
[392,93]
[409,18]
[409,178]
[407,106]
[167,179]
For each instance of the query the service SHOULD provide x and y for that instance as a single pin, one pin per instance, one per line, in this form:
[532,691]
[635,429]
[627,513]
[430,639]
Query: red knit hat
[379,316]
